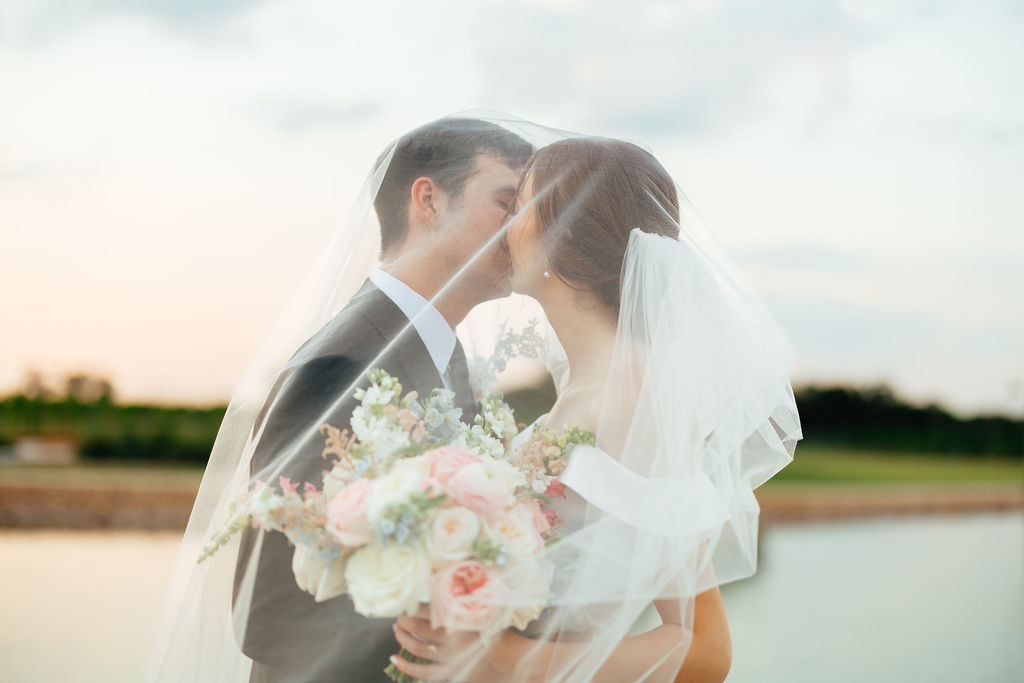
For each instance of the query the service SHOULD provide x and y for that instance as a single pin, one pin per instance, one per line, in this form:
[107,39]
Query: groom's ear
[425,197]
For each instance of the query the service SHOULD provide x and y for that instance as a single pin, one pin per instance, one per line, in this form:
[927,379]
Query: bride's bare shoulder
[582,410]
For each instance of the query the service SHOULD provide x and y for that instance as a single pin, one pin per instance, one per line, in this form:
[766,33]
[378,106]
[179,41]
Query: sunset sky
[168,168]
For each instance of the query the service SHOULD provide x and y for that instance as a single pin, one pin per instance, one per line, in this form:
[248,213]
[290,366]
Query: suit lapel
[411,352]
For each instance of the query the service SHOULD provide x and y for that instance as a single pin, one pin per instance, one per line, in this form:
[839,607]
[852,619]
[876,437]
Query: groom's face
[472,224]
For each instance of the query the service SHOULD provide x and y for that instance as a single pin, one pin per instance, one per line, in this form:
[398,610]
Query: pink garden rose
[476,487]
[540,520]
[447,460]
[466,597]
[346,514]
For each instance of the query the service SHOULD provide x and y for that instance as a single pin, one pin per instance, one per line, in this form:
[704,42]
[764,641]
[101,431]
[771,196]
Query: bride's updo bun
[589,193]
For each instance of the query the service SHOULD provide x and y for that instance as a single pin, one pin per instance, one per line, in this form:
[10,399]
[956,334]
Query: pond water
[894,599]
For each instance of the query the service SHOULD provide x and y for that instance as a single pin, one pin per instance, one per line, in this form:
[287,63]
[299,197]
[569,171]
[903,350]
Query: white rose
[385,582]
[451,535]
[320,578]
[394,488]
[499,469]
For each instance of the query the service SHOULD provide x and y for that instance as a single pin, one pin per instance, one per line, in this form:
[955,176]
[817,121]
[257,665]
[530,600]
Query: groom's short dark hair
[444,151]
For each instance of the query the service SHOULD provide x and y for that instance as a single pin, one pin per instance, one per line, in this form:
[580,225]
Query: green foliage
[833,418]
[103,430]
[489,552]
[871,419]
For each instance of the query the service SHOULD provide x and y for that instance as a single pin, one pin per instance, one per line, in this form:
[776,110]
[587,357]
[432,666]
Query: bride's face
[526,251]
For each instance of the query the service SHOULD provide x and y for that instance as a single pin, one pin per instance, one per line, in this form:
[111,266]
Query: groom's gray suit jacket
[289,636]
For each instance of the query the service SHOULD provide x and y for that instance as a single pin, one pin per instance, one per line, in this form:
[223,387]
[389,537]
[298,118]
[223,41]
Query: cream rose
[516,531]
[385,582]
[451,535]
[320,578]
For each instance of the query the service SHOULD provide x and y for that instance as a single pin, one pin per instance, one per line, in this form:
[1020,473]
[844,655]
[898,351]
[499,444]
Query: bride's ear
[424,198]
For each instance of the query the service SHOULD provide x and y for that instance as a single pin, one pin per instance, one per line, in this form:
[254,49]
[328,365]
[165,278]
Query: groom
[444,196]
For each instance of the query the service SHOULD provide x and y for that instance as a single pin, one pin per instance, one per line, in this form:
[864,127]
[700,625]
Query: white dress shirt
[434,330]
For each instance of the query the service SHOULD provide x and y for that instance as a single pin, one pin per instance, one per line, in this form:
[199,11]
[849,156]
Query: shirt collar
[434,330]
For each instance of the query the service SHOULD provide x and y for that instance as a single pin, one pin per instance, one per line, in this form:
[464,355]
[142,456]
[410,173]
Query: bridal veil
[696,412]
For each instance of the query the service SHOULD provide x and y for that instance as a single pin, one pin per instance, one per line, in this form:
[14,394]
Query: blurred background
[168,170]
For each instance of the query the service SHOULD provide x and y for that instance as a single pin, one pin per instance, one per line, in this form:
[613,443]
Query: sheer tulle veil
[696,411]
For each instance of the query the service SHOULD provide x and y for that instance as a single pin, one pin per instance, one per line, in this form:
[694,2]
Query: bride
[644,326]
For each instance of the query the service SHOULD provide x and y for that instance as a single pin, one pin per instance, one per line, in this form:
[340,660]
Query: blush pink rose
[466,597]
[540,520]
[476,488]
[444,462]
[347,520]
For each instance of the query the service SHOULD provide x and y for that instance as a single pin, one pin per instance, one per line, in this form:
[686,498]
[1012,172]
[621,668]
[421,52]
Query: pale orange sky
[167,171]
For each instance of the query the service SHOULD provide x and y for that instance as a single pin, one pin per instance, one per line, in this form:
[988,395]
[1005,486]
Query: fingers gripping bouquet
[419,507]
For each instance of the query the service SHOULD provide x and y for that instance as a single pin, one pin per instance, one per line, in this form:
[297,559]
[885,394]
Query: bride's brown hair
[588,194]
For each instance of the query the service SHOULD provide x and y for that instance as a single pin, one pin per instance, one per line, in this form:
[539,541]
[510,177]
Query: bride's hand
[446,649]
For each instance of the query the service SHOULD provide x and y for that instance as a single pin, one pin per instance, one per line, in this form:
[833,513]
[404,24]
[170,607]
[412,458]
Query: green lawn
[810,466]
[836,465]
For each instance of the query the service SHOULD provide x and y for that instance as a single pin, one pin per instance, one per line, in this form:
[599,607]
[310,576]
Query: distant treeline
[874,418]
[103,430]
[869,419]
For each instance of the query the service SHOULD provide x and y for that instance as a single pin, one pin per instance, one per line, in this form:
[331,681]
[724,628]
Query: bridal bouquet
[419,507]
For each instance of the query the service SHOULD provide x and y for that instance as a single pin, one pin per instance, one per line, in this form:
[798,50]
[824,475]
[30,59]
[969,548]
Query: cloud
[660,67]
[9,175]
[800,256]
[825,330]
[41,23]
[296,115]
[853,150]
